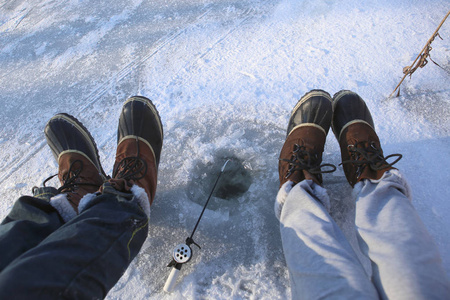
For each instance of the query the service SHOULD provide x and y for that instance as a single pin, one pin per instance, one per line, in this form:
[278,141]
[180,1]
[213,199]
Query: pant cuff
[308,186]
[394,176]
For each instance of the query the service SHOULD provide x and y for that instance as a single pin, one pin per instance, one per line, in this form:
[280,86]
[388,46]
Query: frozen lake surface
[224,76]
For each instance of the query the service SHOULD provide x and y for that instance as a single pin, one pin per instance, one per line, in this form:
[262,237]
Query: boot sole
[87,137]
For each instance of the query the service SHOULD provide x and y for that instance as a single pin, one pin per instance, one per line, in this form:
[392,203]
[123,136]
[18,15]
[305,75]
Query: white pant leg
[405,260]
[321,262]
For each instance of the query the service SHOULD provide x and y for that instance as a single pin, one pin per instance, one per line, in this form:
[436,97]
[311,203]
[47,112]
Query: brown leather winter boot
[362,156]
[140,137]
[301,154]
[80,171]
[135,164]
[78,177]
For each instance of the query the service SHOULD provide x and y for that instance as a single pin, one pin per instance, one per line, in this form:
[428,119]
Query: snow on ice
[224,76]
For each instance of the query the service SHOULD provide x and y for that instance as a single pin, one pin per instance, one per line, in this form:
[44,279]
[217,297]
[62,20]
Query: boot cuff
[67,213]
[142,198]
[85,201]
[62,205]
[139,196]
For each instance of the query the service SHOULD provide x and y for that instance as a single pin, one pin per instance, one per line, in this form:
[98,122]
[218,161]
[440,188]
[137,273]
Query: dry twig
[421,59]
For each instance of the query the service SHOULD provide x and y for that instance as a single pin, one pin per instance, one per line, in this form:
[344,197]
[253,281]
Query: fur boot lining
[84,202]
[142,198]
[62,205]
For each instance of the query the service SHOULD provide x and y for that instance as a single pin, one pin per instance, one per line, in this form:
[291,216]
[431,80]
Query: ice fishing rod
[183,252]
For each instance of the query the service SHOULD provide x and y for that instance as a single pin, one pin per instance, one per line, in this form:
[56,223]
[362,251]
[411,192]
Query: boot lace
[70,179]
[362,156]
[302,159]
[131,168]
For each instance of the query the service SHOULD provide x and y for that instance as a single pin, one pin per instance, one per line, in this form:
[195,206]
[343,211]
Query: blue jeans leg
[30,221]
[82,259]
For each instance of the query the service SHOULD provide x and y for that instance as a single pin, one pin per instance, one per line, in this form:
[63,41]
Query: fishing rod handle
[171,280]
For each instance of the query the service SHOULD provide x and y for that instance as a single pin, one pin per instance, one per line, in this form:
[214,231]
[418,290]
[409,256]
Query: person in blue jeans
[403,260]
[75,242]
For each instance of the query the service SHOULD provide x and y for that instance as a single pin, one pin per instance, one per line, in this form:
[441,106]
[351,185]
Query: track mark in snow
[130,67]
[247,15]
[14,21]
[19,162]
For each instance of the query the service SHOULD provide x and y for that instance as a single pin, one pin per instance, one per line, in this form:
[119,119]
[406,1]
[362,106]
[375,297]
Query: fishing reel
[181,254]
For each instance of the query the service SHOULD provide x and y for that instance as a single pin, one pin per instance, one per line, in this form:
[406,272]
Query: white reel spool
[182,253]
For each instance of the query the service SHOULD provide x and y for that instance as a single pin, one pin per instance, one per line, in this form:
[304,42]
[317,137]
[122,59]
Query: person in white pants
[404,260]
